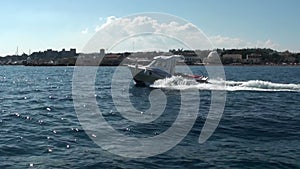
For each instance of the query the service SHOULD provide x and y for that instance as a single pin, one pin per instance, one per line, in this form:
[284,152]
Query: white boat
[161,67]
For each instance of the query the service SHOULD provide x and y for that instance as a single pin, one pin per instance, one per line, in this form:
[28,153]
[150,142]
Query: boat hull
[145,77]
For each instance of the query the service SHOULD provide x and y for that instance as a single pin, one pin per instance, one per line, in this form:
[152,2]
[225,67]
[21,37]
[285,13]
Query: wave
[180,83]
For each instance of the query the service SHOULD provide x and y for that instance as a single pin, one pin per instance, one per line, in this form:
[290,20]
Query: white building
[253,58]
[233,57]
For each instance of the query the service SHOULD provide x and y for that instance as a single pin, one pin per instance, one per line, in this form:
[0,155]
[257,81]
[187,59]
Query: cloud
[109,20]
[142,31]
[229,42]
[145,32]
[97,28]
[85,31]
[268,44]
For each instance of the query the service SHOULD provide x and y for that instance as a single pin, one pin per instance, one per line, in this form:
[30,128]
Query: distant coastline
[230,57]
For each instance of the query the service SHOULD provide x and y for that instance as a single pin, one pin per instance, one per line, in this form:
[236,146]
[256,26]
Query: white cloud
[167,33]
[109,20]
[97,28]
[85,31]
[229,42]
[268,44]
[142,32]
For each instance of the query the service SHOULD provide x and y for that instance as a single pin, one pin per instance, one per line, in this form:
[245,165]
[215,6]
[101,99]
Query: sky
[37,25]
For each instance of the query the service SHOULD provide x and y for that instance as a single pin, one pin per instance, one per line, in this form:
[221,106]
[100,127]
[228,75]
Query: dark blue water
[260,127]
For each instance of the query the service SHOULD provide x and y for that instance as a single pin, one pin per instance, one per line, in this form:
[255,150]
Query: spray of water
[180,83]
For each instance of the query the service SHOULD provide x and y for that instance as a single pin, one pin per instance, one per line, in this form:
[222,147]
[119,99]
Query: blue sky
[57,24]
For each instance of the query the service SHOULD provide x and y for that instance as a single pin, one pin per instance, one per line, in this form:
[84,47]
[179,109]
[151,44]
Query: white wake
[180,83]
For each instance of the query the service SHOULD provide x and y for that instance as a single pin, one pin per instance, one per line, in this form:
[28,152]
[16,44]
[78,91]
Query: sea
[40,126]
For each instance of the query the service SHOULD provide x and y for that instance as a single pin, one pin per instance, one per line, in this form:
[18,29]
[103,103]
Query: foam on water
[180,83]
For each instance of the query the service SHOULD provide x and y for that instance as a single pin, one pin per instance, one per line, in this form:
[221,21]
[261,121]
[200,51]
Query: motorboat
[161,67]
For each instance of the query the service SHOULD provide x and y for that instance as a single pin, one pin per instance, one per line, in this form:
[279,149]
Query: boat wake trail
[180,83]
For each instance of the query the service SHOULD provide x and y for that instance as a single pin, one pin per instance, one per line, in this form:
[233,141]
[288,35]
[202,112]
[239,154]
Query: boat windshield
[165,63]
